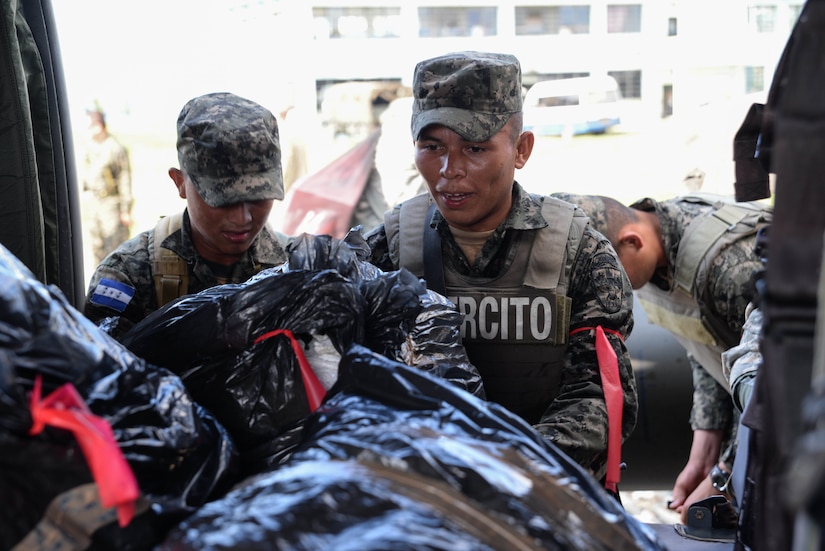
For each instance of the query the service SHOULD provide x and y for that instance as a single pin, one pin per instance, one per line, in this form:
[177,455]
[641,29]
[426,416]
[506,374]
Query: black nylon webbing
[433,267]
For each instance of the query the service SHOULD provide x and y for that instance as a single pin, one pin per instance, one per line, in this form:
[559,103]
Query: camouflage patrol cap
[471,93]
[229,147]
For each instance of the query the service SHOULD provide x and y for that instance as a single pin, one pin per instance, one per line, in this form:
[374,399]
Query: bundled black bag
[179,454]
[398,459]
[212,339]
[432,343]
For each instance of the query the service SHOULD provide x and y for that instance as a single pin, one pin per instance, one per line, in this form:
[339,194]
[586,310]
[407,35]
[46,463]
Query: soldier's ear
[179,178]
[524,147]
[630,238]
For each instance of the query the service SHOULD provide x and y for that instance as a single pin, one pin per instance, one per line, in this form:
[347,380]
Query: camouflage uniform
[729,288]
[475,94]
[107,186]
[129,264]
[741,362]
[229,148]
[575,419]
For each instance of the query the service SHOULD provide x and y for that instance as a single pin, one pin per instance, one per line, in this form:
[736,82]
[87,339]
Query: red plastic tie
[614,399]
[65,409]
[314,389]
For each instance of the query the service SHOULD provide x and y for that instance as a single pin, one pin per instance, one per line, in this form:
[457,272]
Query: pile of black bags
[180,454]
[209,392]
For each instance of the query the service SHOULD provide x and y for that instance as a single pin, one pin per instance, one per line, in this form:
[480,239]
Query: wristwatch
[720,477]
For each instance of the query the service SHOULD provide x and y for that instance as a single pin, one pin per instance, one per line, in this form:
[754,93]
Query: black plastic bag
[324,291]
[180,455]
[432,343]
[255,390]
[398,459]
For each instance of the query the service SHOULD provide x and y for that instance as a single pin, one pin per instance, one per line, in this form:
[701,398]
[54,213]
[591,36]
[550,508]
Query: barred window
[762,19]
[630,83]
[538,20]
[795,10]
[444,22]
[754,79]
[356,22]
[624,18]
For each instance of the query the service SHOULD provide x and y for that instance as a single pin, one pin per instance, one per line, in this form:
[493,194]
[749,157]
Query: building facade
[666,55]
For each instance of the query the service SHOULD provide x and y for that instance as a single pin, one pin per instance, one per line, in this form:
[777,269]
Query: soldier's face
[94,129]
[222,234]
[471,182]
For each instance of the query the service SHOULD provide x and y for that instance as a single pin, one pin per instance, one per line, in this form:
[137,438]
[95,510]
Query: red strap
[614,398]
[614,401]
[314,389]
[65,409]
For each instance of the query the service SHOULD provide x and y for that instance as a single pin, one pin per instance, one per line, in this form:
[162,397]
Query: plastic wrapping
[326,290]
[179,453]
[432,343]
[398,459]
[255,390]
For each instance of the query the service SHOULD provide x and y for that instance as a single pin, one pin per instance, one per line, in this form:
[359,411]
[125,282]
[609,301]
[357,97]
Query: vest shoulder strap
[410,253]
[544,270]
[431,245]
[727,223]
[170,271]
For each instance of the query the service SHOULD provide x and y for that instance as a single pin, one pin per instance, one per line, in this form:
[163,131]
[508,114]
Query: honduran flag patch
[112,294]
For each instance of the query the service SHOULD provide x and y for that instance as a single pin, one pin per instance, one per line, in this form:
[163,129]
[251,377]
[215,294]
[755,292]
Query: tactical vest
[516,326]
[170,271]
[683,310]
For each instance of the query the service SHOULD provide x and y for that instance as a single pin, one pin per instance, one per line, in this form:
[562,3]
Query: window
[630,83]
[667,100]
[356,22]
[794,10]
[671,26]
[762,19]
[444,22]
[624,18]
[754,79]
[533,20]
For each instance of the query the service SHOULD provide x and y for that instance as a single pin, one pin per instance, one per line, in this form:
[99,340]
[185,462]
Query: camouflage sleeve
[730,282]
[121,285]
[741,362]
[576,421]
[380,249]
[711,402]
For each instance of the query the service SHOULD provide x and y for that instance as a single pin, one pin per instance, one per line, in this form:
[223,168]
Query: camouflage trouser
[72,520]
[102,226]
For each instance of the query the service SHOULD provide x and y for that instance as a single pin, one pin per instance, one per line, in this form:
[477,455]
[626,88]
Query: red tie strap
[614,401]
[314,389]
[65,409]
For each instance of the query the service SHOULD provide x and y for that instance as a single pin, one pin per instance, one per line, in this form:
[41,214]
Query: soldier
[230,174]
[107,186]
[692,261]
[534,281]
